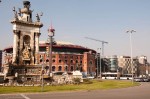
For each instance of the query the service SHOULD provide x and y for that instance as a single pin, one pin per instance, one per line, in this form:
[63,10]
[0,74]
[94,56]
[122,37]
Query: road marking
[25,97]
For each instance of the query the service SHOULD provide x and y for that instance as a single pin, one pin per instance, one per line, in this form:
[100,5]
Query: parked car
[145,79]
[137,79]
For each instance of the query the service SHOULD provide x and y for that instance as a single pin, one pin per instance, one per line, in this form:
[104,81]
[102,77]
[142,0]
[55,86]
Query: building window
[71,61]
[71,68]
[66,68]
[53,68]
[80,62]
[59,61]
[59,68]
[76,61]
[41,60]
[65,61]
[47,68]
[53,60]
[47,60]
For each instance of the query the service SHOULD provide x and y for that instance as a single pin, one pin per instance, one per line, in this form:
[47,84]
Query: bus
[109,75]
[126,77]
[115,75]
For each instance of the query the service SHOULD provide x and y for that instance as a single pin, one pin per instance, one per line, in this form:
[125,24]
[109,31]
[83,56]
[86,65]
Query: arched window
[59,68]
[41,60]
[53,68]
[47,60]
[66,68]
[71,68]
[47,68]
[59,61]
[53,60]
[71,61]
[65,61]
[76,61]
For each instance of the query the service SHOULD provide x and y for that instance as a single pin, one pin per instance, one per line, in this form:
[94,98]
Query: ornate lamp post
[51,33]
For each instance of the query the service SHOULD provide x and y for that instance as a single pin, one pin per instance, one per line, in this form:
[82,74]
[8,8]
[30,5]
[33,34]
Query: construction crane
[103,42]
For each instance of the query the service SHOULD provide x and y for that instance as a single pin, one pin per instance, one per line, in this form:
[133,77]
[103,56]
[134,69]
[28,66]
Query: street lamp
[130,32]
[51,33]
[42,74]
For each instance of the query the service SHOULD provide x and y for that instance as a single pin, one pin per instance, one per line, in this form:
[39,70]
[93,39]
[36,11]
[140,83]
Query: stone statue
[38,16]
[15,13]
[26,51]
[26,4]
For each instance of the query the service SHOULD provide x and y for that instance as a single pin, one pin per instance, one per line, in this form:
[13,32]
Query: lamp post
[51,33]
[130,33]
[42,76]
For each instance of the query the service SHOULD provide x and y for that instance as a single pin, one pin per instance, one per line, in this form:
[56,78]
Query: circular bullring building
[65,57]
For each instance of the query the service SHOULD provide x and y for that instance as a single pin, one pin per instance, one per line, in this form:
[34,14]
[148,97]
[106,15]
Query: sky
[73,20]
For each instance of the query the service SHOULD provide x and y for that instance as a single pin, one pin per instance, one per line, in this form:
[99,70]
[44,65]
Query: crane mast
[103,42]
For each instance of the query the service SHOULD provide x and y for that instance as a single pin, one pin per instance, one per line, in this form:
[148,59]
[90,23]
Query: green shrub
[87,81]
[76,80]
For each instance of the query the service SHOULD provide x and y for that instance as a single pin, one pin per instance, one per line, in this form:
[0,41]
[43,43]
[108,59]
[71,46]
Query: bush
[87,81]
[76,80]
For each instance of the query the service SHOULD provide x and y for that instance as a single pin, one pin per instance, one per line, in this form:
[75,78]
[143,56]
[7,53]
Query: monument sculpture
[25,46]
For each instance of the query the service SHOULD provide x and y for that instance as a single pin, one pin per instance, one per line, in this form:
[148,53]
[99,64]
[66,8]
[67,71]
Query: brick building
[65,57]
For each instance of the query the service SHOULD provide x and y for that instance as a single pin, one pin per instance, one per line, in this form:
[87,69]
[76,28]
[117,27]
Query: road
[137,92]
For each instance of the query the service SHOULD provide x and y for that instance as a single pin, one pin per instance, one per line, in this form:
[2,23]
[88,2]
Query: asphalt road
[138,92]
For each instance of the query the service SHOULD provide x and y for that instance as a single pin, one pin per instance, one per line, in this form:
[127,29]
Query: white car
[138,79]
[145,79]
